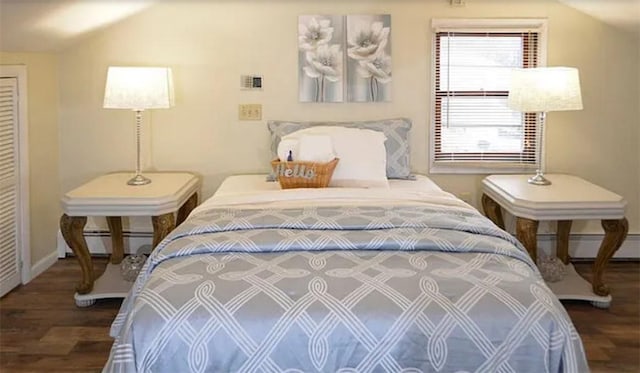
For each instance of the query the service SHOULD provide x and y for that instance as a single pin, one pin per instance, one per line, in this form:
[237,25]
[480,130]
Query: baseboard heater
[99,242]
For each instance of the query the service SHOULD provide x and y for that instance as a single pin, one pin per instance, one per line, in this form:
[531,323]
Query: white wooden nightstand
[110,196]
[568,198]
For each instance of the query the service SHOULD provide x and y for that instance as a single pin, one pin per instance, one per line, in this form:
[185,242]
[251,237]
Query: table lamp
[540,90]
[138,89]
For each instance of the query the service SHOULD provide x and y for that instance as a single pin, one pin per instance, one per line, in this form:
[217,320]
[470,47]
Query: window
[473,130]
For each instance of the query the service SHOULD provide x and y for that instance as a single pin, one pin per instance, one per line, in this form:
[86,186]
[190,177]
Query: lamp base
[539,179]
[138,180]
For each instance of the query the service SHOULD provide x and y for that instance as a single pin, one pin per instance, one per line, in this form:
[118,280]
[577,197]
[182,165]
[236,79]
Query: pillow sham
[361,152]
[396,145]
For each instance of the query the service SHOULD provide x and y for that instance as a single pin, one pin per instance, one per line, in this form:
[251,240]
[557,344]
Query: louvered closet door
[9,239]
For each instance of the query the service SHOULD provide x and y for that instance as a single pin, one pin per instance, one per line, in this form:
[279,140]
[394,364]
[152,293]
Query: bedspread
[408,288]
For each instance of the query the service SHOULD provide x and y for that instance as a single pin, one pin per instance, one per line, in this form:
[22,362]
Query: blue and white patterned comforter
[370,288]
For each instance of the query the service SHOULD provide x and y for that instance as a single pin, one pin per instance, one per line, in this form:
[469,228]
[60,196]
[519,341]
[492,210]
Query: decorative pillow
[396,145]
[361,152]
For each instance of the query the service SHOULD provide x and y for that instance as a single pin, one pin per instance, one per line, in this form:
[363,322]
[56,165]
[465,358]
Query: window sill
[477,168]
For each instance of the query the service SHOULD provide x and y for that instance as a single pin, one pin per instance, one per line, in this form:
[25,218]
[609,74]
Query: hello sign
[297,170]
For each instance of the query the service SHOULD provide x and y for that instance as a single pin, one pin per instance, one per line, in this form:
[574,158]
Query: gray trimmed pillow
[397,144]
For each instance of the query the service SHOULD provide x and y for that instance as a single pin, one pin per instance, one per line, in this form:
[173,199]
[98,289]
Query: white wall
[210,44]
[44,177]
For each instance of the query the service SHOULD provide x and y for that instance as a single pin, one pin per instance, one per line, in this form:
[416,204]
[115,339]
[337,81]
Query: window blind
[472,122]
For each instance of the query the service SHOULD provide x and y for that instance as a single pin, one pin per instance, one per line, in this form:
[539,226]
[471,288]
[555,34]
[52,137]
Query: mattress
[248,189]
[240,184]
[404,279]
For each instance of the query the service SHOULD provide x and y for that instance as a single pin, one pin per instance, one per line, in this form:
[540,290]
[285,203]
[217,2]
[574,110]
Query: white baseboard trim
[99,242]
[580,245]
[43,264]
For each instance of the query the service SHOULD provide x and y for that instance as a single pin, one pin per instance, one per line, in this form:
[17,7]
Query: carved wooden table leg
[492,210]
[162,225]
[527,232]
[186,208]
[562,240]
[615,234]
[72,230]
[117,250]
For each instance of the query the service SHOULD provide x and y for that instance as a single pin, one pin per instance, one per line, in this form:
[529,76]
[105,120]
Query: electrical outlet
[250,111]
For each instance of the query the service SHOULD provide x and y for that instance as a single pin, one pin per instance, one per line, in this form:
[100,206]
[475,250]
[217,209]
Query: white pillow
[316,148]
[363,158]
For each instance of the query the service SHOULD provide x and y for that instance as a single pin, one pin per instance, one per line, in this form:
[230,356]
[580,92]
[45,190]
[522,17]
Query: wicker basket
[300,174]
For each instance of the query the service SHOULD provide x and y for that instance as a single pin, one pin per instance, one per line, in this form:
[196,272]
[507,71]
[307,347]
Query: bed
[400,279]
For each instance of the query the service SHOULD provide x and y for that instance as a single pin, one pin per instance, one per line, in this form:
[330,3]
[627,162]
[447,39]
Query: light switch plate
[250,111]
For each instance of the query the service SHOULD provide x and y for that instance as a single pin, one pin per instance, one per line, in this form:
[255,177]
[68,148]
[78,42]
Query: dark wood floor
[41,329]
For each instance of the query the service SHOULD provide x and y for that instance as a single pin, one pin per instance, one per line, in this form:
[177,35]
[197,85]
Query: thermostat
[253,82]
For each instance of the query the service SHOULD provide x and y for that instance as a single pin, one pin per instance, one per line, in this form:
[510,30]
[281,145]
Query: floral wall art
[344,56]
[321,58]
[369,58]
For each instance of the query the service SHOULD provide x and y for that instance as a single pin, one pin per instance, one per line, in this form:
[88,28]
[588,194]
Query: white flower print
[314,34]
[377,70]
[324,63]
[367,41]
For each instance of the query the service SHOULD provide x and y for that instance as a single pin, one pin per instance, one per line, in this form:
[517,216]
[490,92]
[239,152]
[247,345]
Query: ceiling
[624,14]
[52,25]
